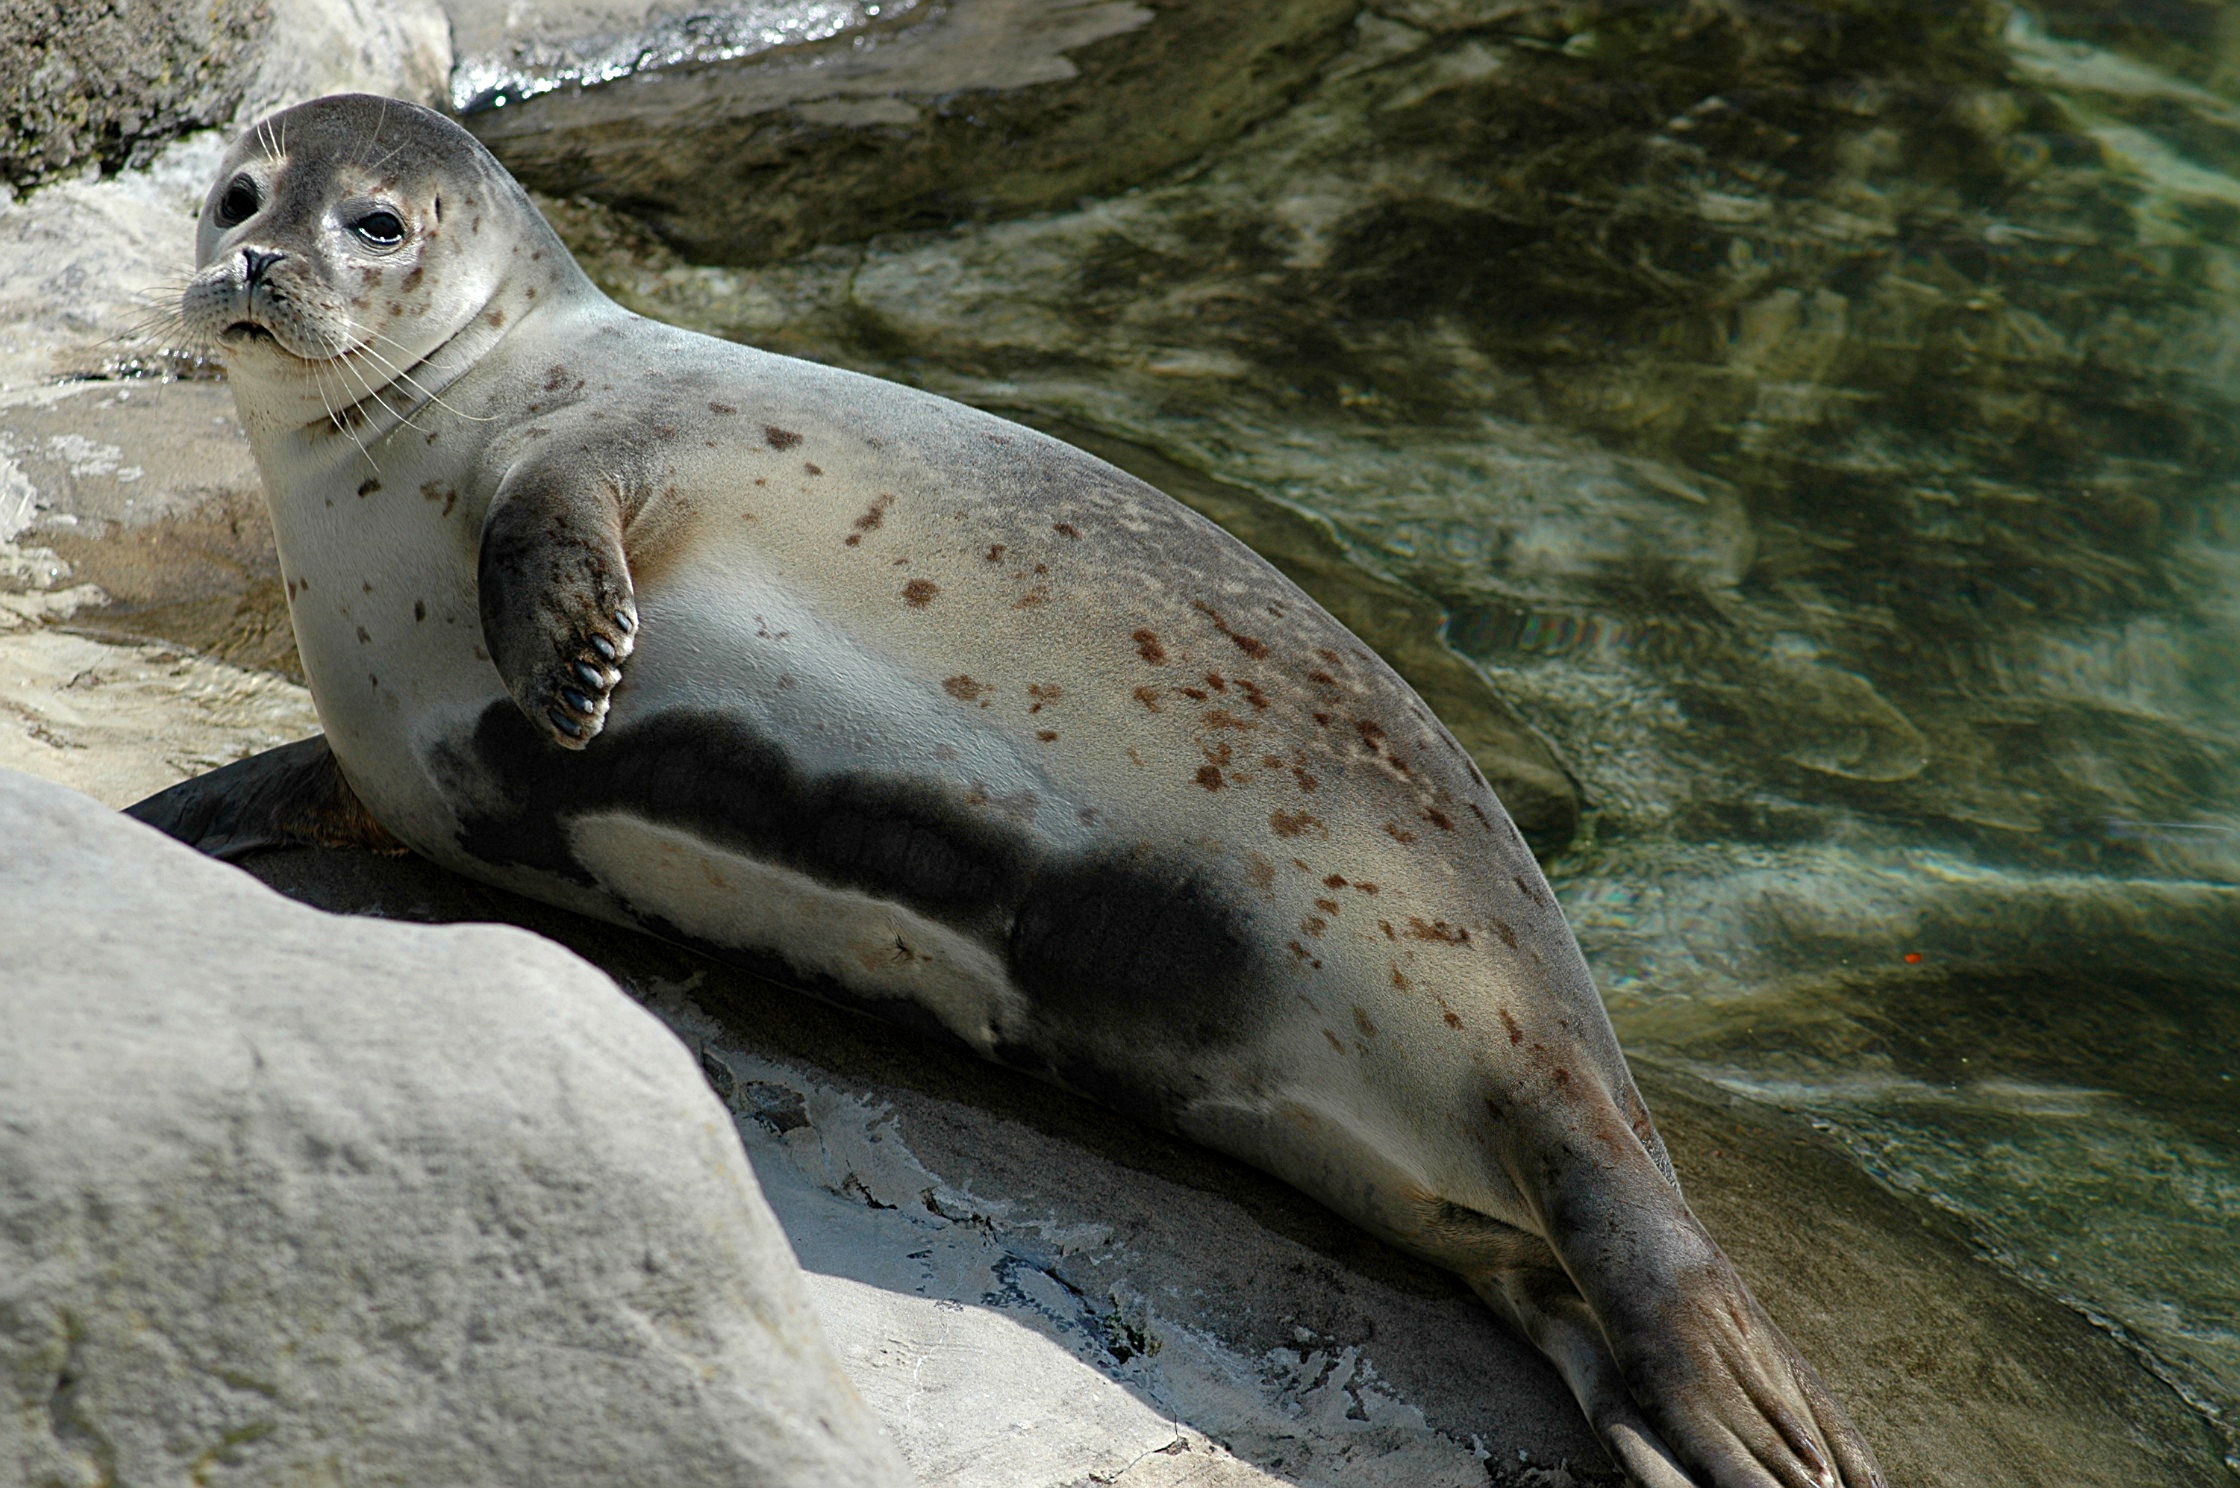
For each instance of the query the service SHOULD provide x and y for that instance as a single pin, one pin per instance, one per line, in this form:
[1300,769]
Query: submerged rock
[287,1198]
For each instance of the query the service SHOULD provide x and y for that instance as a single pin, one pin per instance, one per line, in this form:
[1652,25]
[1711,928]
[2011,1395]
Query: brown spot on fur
[812,468]
[1314,924]
[1335,1042]
[1259,699]
[1047,736]
[1044,692]
[1323,719]
[1217,682]
[1386,927]
[496,317]
[1453,1019]
[721,408]
[1327,906]
[1399,978]
[1148,647]
[1294,823]
[872,516]
[1439,930]
[1195,694]
[1065,529]
[363,638]
[1335,881]
[1149,697]
[1322,679]
[1560,1075]
[1399,833]
[779,439]
[963,688]
[995,552]
[1516,1034]
[1222,718]
[1209,776]
[1251,646]
[1437,818]
[1366,888]
[1508,936]
[1033,599]
[368,486]
[1262,873]
[1306,782]
[1361,1021]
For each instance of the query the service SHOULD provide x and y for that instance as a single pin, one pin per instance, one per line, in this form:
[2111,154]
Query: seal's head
[348,240]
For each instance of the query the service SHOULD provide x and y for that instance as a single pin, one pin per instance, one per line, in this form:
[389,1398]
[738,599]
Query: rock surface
[1030,1290]
[286,1199]
[104,85]
[748,133]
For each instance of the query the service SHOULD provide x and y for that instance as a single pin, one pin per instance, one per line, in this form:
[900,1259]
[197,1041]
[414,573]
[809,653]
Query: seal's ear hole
[383,229]
[240,202]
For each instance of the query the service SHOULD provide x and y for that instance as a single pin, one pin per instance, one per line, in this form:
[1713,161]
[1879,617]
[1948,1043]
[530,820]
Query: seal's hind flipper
[293,796]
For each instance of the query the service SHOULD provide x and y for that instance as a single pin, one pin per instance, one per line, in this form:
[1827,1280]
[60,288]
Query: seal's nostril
[255,261]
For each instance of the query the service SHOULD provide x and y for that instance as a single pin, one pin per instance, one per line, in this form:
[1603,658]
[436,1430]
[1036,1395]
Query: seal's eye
[240,202]
[381,229]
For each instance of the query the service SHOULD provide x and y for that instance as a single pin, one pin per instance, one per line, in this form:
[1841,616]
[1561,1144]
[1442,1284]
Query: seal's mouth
[245,330]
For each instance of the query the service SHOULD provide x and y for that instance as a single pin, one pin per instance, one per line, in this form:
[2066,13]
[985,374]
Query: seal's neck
[329,417]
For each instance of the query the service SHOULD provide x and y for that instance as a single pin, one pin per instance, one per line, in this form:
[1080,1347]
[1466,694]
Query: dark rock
[106,83]
[925,115]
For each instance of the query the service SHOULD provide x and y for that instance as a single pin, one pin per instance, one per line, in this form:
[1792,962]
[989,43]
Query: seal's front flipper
[558,611]
[293,796]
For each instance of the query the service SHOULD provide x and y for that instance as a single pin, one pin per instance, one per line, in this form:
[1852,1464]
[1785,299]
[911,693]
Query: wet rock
[285,1197]
[745,135]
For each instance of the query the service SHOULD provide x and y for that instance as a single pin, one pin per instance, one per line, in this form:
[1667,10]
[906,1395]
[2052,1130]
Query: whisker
[417,386]
[319,383]
[343,364]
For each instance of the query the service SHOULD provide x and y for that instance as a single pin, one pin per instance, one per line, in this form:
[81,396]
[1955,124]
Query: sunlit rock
[286,1198]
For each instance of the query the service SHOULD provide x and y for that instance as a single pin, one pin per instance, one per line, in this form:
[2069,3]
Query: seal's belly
[729,900]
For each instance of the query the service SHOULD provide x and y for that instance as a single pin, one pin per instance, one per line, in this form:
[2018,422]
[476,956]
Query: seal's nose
[255,262]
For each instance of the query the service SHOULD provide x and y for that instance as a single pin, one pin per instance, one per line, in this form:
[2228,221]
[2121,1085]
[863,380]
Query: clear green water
[1817,422]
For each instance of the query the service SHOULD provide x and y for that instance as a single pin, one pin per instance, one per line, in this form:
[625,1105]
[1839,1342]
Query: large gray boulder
[286,1198]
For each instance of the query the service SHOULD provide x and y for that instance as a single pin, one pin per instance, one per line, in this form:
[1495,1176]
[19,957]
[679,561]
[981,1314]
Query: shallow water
[1816,423]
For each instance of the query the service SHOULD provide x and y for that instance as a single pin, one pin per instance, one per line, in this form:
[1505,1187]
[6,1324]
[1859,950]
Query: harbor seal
[959,724]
